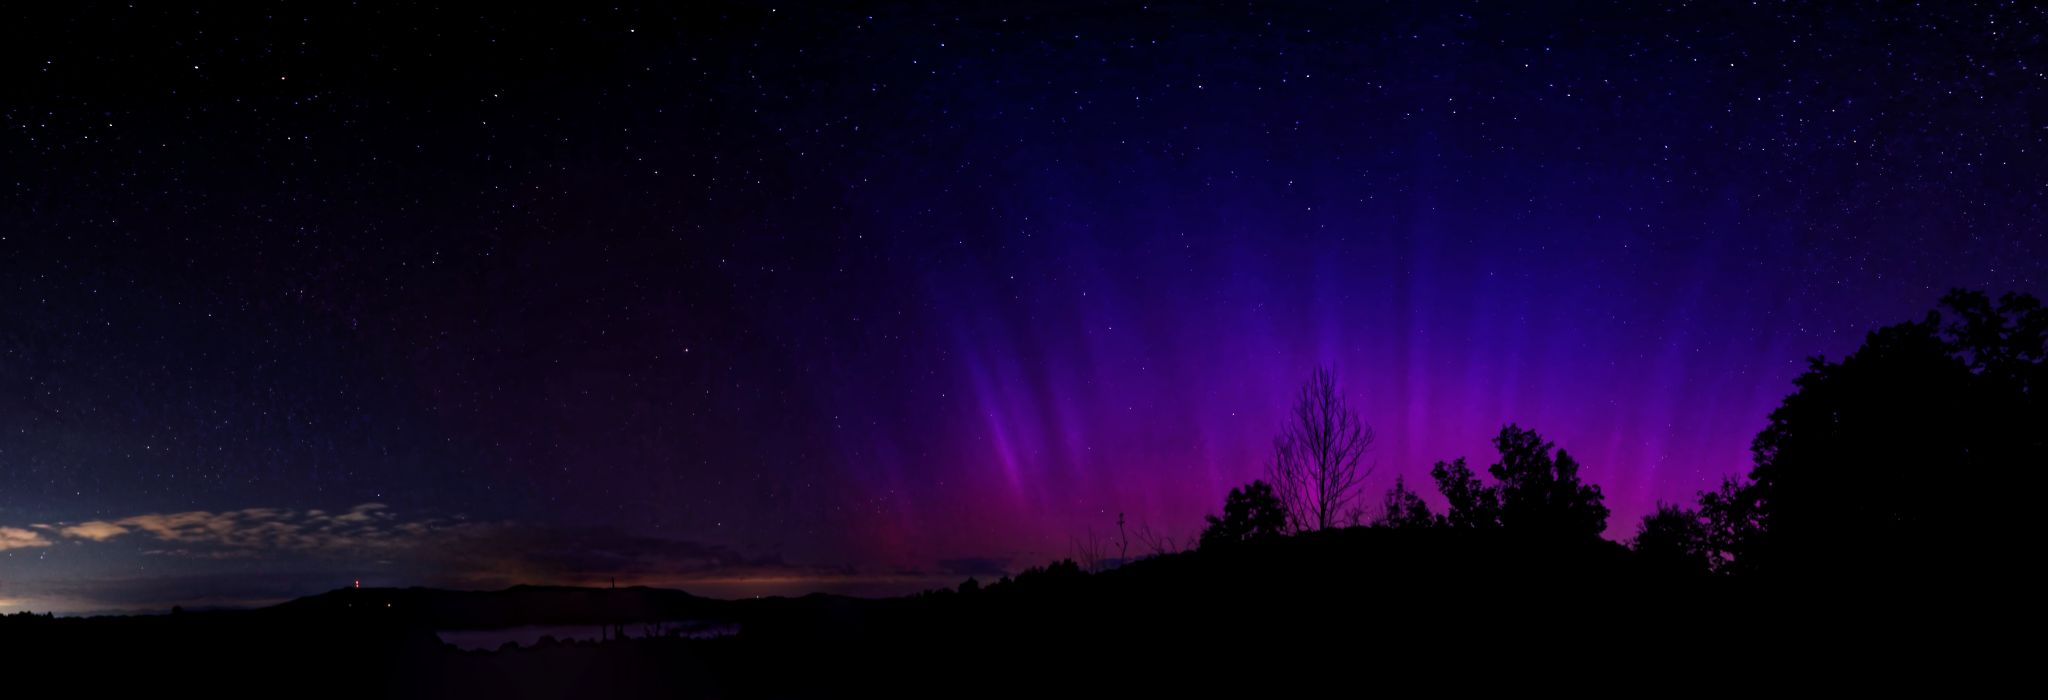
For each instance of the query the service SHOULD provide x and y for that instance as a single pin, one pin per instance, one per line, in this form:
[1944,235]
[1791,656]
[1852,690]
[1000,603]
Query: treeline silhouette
[1915,458]
[1880,540]
[1919,456]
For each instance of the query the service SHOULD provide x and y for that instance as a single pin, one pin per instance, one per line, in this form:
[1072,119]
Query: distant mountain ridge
[512,607]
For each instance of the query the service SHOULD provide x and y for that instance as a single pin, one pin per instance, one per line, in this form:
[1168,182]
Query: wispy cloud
[237,533]
[449,547]
[97,531]
[21,538]
[278,553]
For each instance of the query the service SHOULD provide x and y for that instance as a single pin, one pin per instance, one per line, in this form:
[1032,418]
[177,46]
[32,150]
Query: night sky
[772,299]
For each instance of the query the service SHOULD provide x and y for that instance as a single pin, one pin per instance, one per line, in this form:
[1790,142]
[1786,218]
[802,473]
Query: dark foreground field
[1365,610]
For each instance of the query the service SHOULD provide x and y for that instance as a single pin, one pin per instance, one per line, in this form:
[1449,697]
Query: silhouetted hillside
[518,605]
[1479,609]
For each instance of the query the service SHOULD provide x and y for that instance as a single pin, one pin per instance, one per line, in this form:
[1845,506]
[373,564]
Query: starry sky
[758,298]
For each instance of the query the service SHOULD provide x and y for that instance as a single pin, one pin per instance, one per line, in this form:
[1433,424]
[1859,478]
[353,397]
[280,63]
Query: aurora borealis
[750,299]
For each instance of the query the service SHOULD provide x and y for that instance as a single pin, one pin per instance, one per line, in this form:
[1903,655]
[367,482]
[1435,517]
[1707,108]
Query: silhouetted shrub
[1249,512]
[1673,539]
[1403,509]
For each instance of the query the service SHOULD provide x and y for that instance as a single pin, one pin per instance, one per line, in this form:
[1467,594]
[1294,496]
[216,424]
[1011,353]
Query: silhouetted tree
[1315,468]
[1249,512]
[1064,573]
[1403,509]
[1674,538]
[1921,446]
[1533,491]
[1472,504]
[1539,493]
[1123,541]
[1734,522]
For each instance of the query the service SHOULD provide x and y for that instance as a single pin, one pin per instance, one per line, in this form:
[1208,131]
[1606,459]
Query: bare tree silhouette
[1161,543]
[1315,468]
[1089,552]
[1123,540]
